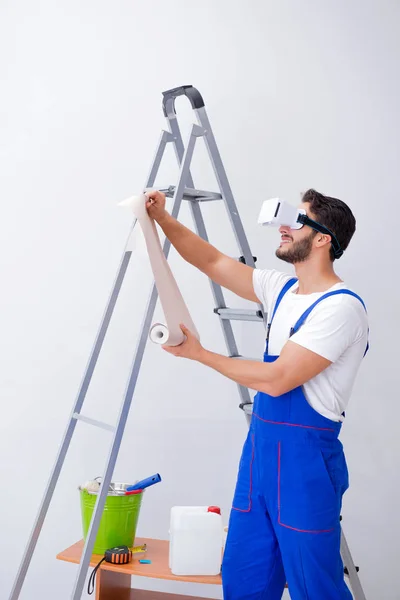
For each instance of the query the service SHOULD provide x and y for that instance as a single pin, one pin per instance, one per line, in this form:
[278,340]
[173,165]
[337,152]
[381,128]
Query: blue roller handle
[140,485]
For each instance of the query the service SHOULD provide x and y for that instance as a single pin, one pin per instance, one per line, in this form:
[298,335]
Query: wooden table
[113,582]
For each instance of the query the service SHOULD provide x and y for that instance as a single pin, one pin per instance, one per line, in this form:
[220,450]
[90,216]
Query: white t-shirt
[337,329]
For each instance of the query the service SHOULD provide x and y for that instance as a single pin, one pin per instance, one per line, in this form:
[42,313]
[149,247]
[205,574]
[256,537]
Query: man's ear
[323,239]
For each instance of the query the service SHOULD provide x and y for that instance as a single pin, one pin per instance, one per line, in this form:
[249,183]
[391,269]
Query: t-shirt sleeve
[332,327]
[267,284]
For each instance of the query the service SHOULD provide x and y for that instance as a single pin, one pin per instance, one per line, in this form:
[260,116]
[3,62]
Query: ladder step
[191,194]
[240,357]
[346,571]
[239,314]
[247,408]
[79,417]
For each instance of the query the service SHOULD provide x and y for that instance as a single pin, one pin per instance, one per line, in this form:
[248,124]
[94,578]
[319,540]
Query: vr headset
[278,212]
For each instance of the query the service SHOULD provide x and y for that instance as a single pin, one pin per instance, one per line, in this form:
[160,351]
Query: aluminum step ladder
[184,190]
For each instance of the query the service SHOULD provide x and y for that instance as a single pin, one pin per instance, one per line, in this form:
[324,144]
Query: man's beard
[298,252]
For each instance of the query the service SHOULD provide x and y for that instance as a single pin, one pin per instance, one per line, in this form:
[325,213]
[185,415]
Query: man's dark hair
[334,214]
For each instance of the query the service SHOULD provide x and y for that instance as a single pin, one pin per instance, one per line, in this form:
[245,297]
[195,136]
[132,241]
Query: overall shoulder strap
[281,294]
[306,313]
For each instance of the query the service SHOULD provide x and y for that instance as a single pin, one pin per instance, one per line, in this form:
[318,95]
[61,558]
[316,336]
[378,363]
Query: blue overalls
[285,519]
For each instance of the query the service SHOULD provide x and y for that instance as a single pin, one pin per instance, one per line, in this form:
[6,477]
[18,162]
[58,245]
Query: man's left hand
[189,348]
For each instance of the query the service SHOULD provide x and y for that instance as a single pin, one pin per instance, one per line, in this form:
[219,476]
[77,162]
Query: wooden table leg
[112,586]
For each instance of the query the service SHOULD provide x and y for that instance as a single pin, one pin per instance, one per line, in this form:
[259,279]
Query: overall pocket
[243,493]
[307,499]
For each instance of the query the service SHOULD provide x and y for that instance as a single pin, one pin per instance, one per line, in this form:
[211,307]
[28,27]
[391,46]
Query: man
[284,523]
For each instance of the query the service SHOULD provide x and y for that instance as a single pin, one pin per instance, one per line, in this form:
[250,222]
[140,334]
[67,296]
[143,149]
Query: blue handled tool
[140,485]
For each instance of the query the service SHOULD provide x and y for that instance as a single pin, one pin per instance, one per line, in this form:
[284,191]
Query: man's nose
[284,229]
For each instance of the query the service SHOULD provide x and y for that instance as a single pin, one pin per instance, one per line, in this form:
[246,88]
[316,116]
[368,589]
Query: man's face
[296,244]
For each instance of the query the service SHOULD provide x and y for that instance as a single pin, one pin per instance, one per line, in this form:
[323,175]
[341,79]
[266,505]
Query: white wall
[300,94]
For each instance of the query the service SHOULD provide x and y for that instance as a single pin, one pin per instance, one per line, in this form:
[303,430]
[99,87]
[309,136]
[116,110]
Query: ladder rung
[191,194]
[239,314]
[94,422]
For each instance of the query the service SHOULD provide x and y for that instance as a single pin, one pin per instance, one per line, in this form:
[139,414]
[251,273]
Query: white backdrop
[300,95]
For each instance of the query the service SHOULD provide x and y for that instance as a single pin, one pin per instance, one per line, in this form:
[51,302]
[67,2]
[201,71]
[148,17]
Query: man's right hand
[224,270]
[156,205]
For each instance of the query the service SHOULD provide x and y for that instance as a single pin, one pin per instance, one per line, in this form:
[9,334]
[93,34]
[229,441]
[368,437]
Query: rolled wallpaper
[172,302]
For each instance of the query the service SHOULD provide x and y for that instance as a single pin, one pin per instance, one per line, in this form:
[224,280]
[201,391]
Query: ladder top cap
[169,96]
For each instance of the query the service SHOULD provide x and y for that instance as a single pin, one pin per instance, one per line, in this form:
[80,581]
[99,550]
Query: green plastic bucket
[119,519]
